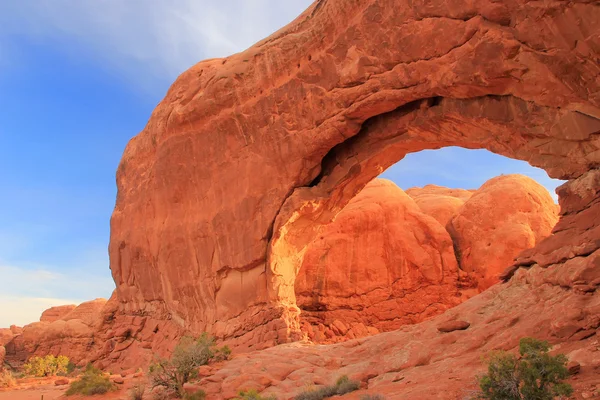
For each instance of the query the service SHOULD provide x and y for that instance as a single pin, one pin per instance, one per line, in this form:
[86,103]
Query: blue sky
[78,79]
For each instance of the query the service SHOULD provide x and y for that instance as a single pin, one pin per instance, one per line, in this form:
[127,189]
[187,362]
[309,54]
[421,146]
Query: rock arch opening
[504,125]
[393,257]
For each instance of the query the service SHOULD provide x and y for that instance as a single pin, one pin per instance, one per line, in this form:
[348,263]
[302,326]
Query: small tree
[47,366]
[187,357]
[537,375]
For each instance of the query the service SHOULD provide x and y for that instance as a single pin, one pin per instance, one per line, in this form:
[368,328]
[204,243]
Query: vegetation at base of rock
[252,394]
[197,395]
[535,375]
[48,366]
[7,379]
[188,355]
[93,381]
[372,397]
[342,386]
[137,392]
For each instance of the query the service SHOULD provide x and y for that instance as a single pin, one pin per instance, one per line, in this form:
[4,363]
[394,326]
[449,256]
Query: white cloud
[147,39]
[27,292]
[21,310]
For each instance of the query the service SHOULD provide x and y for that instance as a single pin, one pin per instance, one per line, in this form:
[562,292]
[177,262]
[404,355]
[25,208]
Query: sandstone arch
[247,156]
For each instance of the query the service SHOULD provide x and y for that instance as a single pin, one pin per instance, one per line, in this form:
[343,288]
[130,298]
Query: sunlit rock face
[440,202]
[507,215]
[66,330]
[388,260]
[381,264]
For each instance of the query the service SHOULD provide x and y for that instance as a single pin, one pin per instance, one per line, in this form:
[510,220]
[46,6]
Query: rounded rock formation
[505,216]
[380,264]
[72,335]
[440,202]
[55,313]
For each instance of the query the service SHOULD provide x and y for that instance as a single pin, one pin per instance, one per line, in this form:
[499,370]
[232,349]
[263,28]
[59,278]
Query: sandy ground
[45,392]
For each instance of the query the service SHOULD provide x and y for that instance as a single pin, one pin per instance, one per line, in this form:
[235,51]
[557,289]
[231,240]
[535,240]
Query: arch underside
[504,125]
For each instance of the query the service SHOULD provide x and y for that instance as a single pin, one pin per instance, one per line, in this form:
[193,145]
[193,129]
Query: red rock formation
[507,215]
[55,313]
[2,355]
[438,191]
[248,157]
[71,335]
[6,336]
[381,264]
[418,361]
[440,202]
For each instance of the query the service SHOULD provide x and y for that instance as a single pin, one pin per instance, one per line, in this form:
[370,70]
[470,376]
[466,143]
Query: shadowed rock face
[248,157]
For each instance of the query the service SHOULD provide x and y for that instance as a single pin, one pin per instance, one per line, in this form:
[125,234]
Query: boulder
[72,335]
[440,202]
[505,216]
[55,313]
[6,336]
[451,326]
[573,367]
[381,263]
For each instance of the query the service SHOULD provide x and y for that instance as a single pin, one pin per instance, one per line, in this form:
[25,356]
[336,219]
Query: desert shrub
[197,395]
[252,394]
[222,353]
[93,381]
[71,367]
[47,366]
[537,375]
[372,397]
[187,357]
[342,386]
[7,379]
[137,392]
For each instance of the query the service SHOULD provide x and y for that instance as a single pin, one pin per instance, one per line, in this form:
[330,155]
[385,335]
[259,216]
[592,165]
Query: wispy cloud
[21,310]
[27,292]
[147,40]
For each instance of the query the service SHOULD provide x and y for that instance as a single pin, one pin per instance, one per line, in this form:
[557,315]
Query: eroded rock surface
[506,215]
[71,335]
[55,313]
[418,361]
[440,202]
[248,157]
[381,264]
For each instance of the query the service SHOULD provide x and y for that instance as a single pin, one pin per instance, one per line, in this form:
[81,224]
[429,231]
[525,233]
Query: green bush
[47,366]
[137,392]
[187,357]
[7,379]
[198,395]
[537,375]
[252,394]
[93,381]
[342,386]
